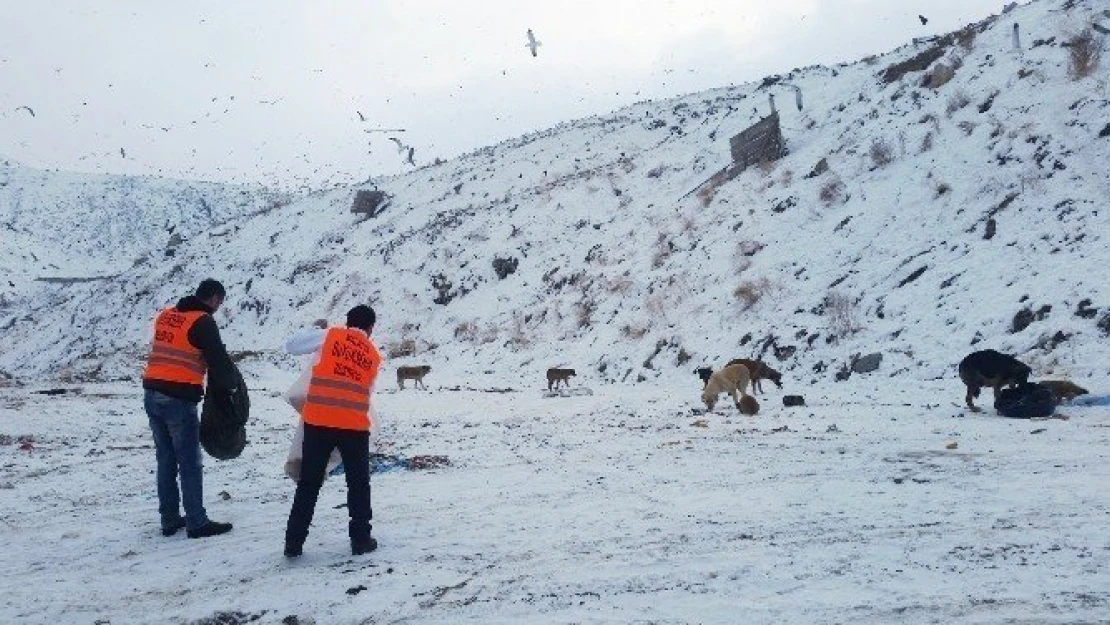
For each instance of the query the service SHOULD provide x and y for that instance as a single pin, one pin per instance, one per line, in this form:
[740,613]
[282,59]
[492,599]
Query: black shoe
[363,545]
[173,527]
[293,551]
[211,528]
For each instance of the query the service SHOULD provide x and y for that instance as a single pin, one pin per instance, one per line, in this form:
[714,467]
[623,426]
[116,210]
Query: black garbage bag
[1025,401]
[223,421]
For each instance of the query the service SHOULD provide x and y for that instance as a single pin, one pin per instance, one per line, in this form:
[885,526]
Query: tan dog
[412,373]
[758,370]
[554,376]
[732,379]
[1063,389]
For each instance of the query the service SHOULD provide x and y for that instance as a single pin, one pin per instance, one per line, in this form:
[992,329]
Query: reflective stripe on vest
[321,400]
[172,357]
[339,390]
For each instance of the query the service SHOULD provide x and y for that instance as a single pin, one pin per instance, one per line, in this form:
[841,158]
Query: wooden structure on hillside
[370,202]
[760,142]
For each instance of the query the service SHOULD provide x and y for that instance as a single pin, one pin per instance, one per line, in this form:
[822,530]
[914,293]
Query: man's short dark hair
[209,287]
[361,317]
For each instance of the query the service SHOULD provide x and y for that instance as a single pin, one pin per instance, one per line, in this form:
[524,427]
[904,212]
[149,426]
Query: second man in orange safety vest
[337,414]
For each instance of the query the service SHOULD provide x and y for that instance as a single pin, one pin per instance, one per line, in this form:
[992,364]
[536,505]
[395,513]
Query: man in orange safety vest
[186,348]
[337,414]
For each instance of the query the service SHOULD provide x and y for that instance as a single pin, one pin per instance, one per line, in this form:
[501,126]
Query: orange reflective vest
[339,390]
[172,357]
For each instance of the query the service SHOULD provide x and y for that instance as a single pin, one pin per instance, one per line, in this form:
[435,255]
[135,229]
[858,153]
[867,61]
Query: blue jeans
[176,431]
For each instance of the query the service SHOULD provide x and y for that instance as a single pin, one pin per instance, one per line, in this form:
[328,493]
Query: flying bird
[122,153]
[532,43]
[924,20]
[406,150]
[361,118]
[29,109]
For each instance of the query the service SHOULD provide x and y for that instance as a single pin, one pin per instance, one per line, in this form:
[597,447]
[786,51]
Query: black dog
[1026,401]
[704,373]
[993,369]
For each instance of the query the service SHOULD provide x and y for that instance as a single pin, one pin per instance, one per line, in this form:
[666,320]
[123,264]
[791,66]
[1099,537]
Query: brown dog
[412,373]
[758,370]
[555,376]
[748,405]
[1063,389]
[732,380]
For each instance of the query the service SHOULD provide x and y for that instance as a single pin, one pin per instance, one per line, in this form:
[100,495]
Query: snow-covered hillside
[945,211]
[66,226]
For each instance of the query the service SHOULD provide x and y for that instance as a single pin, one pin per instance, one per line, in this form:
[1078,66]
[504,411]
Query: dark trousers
[354,448]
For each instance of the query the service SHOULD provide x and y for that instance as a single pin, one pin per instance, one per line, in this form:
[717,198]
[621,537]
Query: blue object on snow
[383,464]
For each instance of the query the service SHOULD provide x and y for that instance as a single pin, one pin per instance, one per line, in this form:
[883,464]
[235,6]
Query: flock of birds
[406,152]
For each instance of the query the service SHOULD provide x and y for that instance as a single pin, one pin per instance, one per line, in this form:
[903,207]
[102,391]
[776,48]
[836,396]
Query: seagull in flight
[532,43]
[361,117]
[406,150]
[29,109]
[924,20]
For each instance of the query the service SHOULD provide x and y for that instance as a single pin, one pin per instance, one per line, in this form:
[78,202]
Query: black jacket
[205,336]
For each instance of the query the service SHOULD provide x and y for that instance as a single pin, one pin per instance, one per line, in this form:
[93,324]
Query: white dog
[732,379]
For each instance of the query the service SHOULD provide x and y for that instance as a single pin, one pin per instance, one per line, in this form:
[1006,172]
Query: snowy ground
[603,507]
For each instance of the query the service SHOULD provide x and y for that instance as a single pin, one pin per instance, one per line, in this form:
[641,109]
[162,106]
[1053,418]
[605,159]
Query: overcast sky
[270,91]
